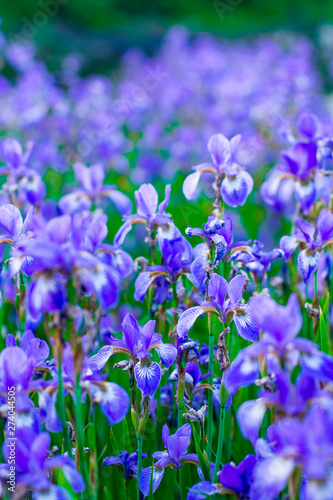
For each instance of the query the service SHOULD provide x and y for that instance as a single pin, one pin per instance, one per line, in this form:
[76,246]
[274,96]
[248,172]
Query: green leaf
[203,462]
[327,303]
[324,338]
[151,496]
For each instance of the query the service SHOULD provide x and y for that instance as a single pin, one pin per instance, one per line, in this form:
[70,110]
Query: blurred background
[148,114]
[104,29]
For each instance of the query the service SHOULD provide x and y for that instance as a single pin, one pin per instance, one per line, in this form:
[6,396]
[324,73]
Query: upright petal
[217,289]
[235,288]
[146,199]
[219,149]
[190,185]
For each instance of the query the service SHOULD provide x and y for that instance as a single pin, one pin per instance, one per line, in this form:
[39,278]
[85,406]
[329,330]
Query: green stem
[80,435]
[139,465]
[174,302]
[62,408]
[178,494]
[315,284]
[180,394]
[220,443]
[210,393]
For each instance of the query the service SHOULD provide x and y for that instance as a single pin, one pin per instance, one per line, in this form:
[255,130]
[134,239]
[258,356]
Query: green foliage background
[103,29]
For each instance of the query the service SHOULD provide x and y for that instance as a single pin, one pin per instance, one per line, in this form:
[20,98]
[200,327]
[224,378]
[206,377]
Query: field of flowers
[166,237]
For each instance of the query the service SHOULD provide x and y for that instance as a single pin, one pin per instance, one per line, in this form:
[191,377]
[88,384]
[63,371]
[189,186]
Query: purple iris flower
[128,464]
[279,393]
[299,175]
[278,344]
[312,247]
[226,302]
[235,480]
[255,260]
[174,456]
[33,465]
[202,266]
[176,253]
[24,185]
[112,399]
[16,370]
[295,443]
[234,183]
[114,256]
[148,210]
[16,233]
[39,351]
[70,247]
[35,348]
[92,191]
[137,343]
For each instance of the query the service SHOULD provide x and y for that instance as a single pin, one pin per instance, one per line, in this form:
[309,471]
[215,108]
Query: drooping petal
[167,353]
[305,194]
[142,283]
[148,378]
[67,465]
[121,233]
[308,263]
[245,325]
[144,480]
[115,403]
[122,202]
[243,371]
[187,320]
[47,294]
[270,477]
[202,490]
[97,362]
[234,191]
[249,416]
[319,366]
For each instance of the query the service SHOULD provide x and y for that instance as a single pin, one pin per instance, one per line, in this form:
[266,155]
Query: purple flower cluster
[226,340]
